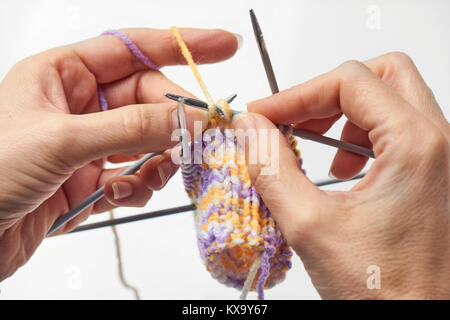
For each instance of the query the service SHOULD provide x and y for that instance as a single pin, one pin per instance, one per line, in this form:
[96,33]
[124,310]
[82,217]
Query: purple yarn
[133,48]
[265,270]
[136,51]
[101,98]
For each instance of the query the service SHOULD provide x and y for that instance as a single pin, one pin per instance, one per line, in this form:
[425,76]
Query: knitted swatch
[239,240]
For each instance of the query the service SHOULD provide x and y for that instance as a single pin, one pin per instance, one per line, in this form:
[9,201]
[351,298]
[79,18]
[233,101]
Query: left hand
[53,138]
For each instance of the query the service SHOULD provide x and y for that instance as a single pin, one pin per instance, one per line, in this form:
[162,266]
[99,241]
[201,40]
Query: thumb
[133,129]
[276,174]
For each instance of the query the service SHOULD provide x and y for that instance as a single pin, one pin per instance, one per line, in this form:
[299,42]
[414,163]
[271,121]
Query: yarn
[123,281]
[238,239]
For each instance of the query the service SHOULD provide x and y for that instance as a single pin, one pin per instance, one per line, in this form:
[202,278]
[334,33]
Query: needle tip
[256,28]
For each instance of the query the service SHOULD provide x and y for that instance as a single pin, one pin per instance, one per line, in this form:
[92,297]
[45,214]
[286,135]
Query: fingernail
[164,171]
[243,121]
[248,104]
[240,39]
[121,189]
[330,175]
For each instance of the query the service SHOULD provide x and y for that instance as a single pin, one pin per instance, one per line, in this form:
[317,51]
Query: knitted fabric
[238,239]
[235,230]
[234,227]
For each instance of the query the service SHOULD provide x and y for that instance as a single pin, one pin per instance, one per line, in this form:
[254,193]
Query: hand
[397,217]
[53,139]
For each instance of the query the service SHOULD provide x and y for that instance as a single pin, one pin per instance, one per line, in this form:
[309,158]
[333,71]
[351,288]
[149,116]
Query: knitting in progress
[238,238]
[239,241]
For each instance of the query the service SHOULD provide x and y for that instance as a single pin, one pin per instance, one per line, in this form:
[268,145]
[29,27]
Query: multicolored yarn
[239,240]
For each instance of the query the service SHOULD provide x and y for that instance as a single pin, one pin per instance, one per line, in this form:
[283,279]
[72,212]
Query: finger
[346,164]
[109,59]
[72,194]
[119,158]
[156,172]
[106,175]
[131,130]
[290,196]
[142,87]
[399,71]
[121,191]
[352,89]
[320,126]
[127,191]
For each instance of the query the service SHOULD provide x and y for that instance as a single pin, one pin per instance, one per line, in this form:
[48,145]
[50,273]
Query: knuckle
[137,122]
[301,231]
[360,93]
[400,58]
[58,57]
[350,72]
[58,135]
[308,220]
[426,145]
[350,66]
[435,142]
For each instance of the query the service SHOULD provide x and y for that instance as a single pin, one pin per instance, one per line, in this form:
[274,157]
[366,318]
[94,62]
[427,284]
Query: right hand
[397,216]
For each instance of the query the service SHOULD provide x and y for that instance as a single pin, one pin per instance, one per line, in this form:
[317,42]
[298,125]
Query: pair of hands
[397,217]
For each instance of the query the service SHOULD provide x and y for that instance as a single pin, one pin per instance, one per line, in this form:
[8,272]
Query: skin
[54,139]
[397,216]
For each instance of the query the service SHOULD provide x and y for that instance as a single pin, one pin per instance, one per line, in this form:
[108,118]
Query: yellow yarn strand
[250,278]
[187,55]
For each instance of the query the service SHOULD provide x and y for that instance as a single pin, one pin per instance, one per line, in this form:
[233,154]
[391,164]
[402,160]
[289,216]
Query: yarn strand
[250,278]
[119,261]
[190,61]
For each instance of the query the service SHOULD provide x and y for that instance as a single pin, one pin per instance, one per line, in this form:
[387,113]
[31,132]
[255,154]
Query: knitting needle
[97,195]
[170,211]
[185,147]
[274,87]
[263,52]
[196,103]
[296,132]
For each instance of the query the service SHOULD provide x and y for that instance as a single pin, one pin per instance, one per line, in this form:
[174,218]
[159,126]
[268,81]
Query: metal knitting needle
[264,54]
[196,103]
[170,211]
[97,195]
[274,87]
[347,146]
[185,147]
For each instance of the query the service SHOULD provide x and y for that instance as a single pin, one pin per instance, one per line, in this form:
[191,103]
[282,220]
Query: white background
[304,37]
